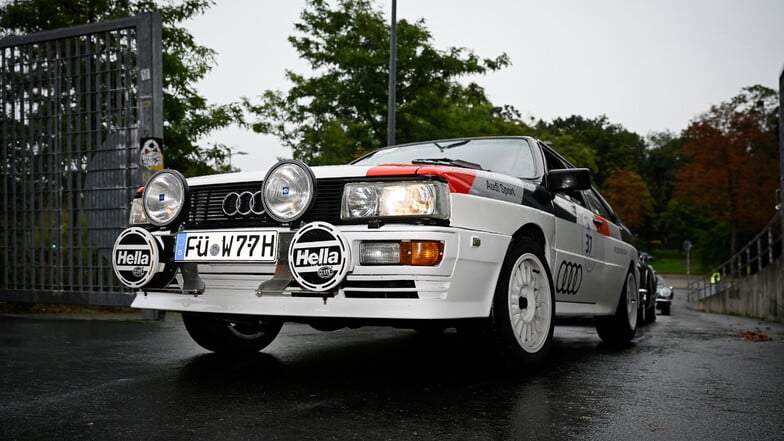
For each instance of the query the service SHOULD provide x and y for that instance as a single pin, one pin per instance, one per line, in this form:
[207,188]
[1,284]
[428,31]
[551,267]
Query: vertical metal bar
[150,80]
[14,142]
[28,180]
[40,170]
[781,174]
[780,274]
[6,170]
[59,179]
[759,254]
[72,164]
[52,178]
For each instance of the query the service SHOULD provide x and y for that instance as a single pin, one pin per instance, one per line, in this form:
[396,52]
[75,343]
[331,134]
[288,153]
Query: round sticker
[135,257]
[318,257]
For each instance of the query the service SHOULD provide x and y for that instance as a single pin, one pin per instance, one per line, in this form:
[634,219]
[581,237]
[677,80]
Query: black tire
[523,311]
[642,311]
[650,315]
[619,329]
[665,308]
[225,336]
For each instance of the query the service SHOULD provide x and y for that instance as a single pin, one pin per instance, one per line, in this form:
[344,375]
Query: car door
[577,272]
[611,252]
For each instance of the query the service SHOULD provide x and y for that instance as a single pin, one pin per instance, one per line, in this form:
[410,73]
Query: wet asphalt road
[688,376]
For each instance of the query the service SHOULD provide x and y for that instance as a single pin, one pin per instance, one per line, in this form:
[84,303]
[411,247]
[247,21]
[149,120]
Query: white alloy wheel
[523,310]
[632,297]
[530,303]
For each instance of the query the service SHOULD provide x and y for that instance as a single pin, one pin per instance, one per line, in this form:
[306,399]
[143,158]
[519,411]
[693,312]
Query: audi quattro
[497,231]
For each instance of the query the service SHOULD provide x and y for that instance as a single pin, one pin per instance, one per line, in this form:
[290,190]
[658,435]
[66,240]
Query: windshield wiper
[448,161]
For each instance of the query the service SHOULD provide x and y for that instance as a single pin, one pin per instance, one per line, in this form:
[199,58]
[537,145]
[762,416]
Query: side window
[595,205]
[553,162]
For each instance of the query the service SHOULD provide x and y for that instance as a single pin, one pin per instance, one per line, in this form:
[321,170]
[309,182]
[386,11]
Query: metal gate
[75,106]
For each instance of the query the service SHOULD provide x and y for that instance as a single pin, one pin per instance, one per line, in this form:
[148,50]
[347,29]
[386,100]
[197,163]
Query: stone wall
[759,295]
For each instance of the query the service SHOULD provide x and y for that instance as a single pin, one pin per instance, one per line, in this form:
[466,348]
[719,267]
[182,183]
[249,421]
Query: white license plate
[216,246]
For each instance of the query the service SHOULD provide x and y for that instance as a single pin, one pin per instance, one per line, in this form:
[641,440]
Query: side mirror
[569,179]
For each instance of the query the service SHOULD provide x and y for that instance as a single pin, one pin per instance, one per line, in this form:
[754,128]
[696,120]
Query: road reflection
[400,381]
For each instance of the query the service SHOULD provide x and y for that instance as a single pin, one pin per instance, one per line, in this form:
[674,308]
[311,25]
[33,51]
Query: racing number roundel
[318,257]
[135,257]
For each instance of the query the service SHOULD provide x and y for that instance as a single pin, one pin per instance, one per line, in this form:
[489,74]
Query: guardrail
[758,253]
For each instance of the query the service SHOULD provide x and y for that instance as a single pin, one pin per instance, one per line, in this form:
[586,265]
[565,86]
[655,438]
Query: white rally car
[497,231]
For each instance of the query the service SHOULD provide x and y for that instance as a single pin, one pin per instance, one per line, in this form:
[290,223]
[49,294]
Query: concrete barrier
[758,295]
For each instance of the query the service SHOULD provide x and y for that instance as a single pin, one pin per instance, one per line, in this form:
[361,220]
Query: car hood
[321,172]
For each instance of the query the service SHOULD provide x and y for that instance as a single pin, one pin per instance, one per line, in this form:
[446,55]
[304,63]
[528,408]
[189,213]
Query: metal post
[781,176]
[150,80]
[392,76]
[770,246]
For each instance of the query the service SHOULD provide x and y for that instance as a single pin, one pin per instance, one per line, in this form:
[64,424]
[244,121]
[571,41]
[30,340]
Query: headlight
[394,199]
[164,197]
[288,190]
[137,216]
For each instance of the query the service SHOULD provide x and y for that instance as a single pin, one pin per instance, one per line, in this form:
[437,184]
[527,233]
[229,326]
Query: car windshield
[512,156]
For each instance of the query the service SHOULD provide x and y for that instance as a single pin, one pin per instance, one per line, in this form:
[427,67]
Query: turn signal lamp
[421,252]
[415,253]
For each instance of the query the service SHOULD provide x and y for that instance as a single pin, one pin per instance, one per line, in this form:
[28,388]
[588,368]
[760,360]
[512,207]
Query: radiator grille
[206,209]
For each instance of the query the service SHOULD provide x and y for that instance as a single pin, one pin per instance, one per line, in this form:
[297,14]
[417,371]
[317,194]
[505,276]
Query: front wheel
[523,305]
[619,329]
[229,335]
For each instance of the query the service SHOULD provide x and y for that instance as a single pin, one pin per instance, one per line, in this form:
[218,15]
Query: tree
[576,152]
[629,196]
[338,111]
[187,115]
[613,146]
[731,156]
[663,157]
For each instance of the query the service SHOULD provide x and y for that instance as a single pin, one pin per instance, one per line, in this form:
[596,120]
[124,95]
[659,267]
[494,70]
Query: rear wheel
[523,305]
[650,316]
[620,328]
[231,336]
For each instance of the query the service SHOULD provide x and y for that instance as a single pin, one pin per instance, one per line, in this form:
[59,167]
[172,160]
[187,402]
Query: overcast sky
[649,65]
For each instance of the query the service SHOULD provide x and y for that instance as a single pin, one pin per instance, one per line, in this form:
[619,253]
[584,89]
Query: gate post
[150,81]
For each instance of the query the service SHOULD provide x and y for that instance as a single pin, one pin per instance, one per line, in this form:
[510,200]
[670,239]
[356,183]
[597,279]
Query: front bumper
[461,286]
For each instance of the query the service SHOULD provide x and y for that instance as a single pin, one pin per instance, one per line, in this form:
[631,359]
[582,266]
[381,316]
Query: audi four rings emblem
[569,278]
[242,204]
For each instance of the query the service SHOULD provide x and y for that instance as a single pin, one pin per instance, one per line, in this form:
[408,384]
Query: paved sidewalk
[680,281]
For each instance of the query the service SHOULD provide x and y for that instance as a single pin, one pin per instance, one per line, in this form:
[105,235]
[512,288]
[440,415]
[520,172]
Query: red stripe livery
[460,179]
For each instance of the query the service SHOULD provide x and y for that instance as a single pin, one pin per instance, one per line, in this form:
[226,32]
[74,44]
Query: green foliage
[187,115]
[673,261]
[339,111]
[664,156]
[612,145]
